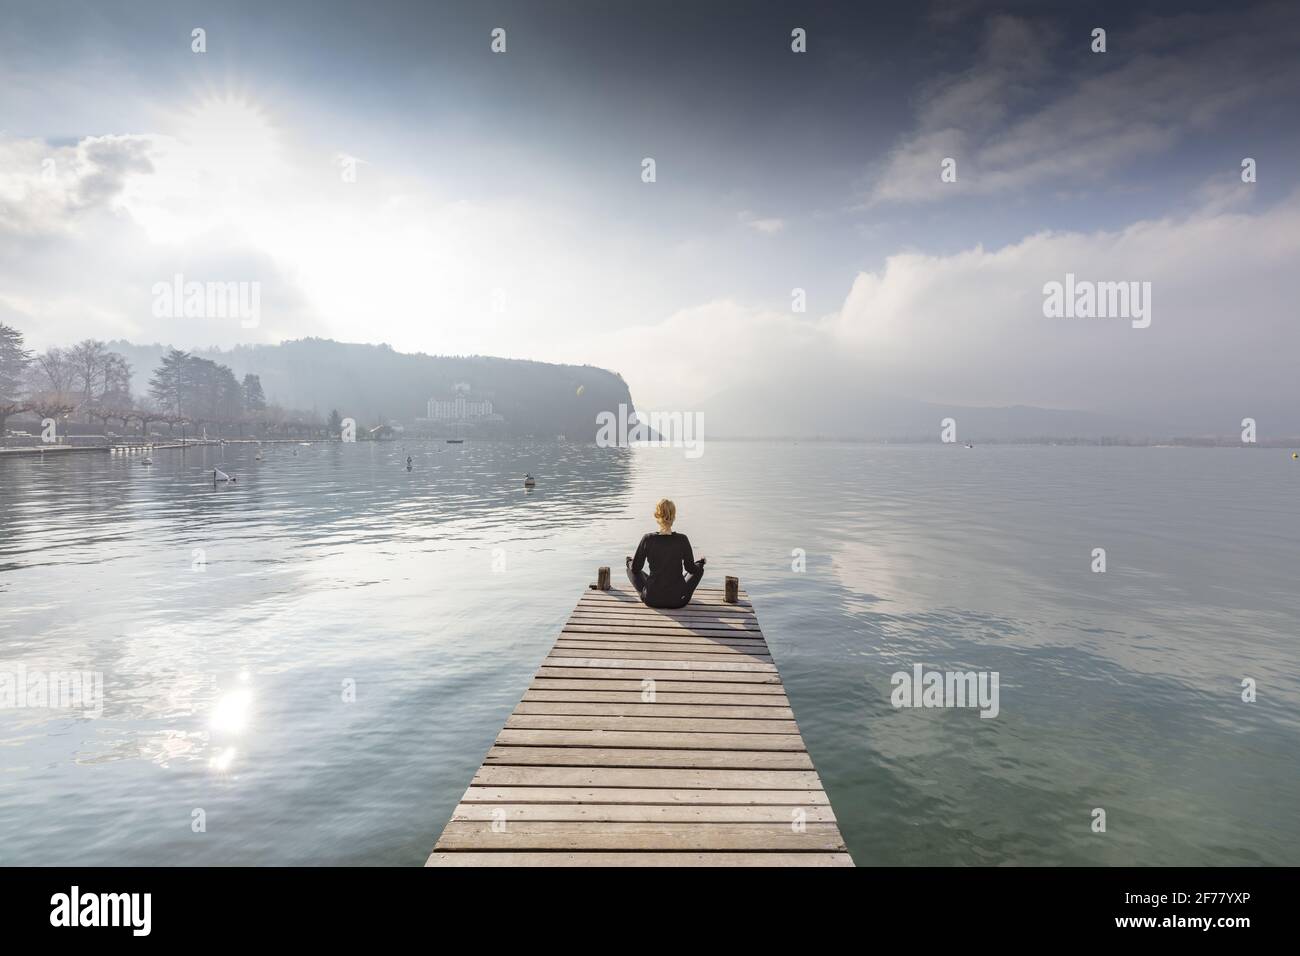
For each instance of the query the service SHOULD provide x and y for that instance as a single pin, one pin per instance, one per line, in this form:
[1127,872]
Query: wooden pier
[649,738]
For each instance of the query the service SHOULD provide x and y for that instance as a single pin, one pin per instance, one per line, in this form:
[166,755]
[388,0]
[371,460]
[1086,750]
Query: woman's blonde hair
[665,514]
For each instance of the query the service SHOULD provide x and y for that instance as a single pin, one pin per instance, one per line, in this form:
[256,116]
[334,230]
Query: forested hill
[373,383]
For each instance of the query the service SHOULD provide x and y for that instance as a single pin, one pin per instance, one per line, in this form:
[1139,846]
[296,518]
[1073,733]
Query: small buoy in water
[146,461]
[530,481]
[258,456]
[408,462]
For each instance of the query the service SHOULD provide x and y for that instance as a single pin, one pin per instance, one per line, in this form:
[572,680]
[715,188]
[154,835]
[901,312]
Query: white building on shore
[460,407]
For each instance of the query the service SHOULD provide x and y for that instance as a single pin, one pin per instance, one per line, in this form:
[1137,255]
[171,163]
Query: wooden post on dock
[602,579]
[732,593]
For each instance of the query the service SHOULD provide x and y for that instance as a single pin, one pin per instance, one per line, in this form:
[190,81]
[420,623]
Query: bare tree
[52,372]
[116,382]
[88,358]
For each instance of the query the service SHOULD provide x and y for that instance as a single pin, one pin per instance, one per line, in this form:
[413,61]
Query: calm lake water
[226,622]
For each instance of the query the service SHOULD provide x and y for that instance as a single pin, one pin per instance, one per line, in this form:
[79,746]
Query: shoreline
[159,446]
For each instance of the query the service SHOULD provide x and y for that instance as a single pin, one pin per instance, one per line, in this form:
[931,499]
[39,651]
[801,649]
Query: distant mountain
[374,383]
[851,411]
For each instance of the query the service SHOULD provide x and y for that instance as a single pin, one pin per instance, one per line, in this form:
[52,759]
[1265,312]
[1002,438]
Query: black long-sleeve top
[670,557]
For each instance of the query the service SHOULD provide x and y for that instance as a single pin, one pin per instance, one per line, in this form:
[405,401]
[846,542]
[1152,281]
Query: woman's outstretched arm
[638,559]
[689,564]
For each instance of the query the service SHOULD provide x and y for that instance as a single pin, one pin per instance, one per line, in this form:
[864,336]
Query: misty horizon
[886,417]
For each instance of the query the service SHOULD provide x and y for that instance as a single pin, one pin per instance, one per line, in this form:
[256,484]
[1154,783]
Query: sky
[499,205]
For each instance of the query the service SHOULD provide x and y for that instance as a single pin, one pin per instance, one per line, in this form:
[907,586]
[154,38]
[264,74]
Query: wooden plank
[744,622]
[650,641]
[633,603]
[697,725]
[616,663]
[638,644]
[712,859]
[672,778]
[645,796]
[658,619]
[616,646]
[650,618]
[658,709]
[541,835]
[729,612]
[661,650]
[637,671]
[674,741]
[756,698]
[621,681]
[690,643]
[633,813]
[587,626]
[680,622]
[660,653]
[648,737]
[666,632]
[595,601]
[634,757]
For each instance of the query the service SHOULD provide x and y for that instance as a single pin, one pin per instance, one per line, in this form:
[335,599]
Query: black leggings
[642,583]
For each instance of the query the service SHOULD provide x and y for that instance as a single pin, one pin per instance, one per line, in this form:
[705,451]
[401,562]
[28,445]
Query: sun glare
[232,712]
[231,136]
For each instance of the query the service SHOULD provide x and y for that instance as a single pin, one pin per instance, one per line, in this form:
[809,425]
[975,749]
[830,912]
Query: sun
[231,137]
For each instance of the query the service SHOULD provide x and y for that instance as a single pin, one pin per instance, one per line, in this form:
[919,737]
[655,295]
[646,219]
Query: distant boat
[455,441]
[530,481]
[219,475]
[969,445]
[146,461]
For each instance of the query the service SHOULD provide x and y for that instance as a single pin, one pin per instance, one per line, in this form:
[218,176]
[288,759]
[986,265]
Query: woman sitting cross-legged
[669,555]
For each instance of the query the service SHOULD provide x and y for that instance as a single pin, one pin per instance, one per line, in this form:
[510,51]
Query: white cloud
[46,190]
[227,195]
[969,327]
